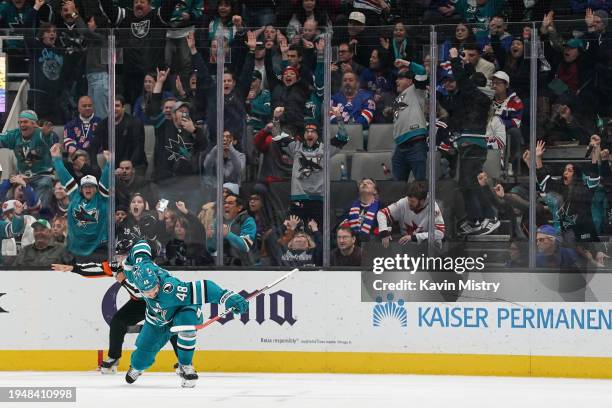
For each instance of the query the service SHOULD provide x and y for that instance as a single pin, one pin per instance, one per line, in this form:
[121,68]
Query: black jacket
[468,108]
[177,152]
[129,140]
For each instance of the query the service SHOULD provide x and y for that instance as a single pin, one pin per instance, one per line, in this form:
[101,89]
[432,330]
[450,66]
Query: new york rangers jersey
[360,109]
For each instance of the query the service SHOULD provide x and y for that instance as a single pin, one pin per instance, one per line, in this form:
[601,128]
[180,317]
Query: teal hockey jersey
[174,294]
[87,219]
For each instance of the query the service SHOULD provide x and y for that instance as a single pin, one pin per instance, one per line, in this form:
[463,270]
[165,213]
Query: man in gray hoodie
[409,122]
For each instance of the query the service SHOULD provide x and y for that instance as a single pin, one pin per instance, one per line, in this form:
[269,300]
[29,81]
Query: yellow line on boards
[327,362]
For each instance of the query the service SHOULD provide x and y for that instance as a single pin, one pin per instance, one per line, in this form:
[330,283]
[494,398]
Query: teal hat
[575,43]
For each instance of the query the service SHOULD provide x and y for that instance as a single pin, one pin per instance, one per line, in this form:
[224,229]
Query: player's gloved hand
[231,299]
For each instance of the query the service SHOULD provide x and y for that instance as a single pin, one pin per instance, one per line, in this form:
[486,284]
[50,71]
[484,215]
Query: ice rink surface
[218,390]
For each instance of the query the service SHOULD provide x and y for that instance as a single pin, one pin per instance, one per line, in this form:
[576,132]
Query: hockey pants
[152,338]
[128,315]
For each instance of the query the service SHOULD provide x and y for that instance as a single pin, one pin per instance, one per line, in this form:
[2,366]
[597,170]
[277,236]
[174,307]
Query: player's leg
[150,340]
[173,341]
[129,314]
[186,343]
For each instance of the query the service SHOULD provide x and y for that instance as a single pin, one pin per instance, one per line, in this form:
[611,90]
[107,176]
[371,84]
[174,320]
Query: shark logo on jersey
[17,21]
[83,216]
[398,106]
[310,109]
[567,219]
[159,311]
[168,288]
[141,29]
[179,149]
[308,166]
[28,155]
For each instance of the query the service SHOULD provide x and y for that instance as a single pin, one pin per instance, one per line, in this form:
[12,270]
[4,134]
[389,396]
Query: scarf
[363,224]
[399,53]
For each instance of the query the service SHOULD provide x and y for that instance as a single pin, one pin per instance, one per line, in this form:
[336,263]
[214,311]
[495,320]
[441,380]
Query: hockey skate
[109,366]
[132,375]
[188,374]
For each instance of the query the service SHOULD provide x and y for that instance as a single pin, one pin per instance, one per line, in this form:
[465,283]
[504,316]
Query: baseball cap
[8,205]
[357,16]
[232,188]
[503,76]
[89,181]
[179,105]
[574,43]
[448,76]
[42,222]
[292,69]
[406,74]
[548,231]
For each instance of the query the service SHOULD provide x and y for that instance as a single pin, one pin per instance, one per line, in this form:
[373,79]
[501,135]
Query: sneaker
[470,228]
[488,226]
[461,225]
[189,376]
[109,366]
[132,375]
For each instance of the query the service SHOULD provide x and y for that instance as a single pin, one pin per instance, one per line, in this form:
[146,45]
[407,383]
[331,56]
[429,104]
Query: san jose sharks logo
[159,311]
[179,149]
[310,109]
[566,219]
[141,29]
[28,155]
[83,216]
[17,21]
[308,166]
[398,106]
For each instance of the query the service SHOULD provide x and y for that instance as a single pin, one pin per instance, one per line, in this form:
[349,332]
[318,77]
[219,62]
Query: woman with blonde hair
[297,247]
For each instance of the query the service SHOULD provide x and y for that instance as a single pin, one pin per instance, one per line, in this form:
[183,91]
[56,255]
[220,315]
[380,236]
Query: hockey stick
[175,329]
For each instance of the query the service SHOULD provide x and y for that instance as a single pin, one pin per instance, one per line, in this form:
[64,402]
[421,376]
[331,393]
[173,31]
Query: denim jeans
[410,157]
[97,88]
[43,187]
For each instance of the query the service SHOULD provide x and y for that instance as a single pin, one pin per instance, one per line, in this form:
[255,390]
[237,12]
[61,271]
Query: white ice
[219,390]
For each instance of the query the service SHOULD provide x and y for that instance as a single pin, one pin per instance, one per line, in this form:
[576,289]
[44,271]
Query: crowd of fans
[56,205]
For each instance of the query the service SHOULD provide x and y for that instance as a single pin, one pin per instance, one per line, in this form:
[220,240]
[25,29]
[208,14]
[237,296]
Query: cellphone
[163,204]
[185,115]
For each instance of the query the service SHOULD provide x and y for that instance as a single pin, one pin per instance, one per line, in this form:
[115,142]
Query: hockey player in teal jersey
[87,211]
[170,302]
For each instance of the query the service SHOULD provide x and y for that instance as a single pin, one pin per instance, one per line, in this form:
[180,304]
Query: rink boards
[313,322]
